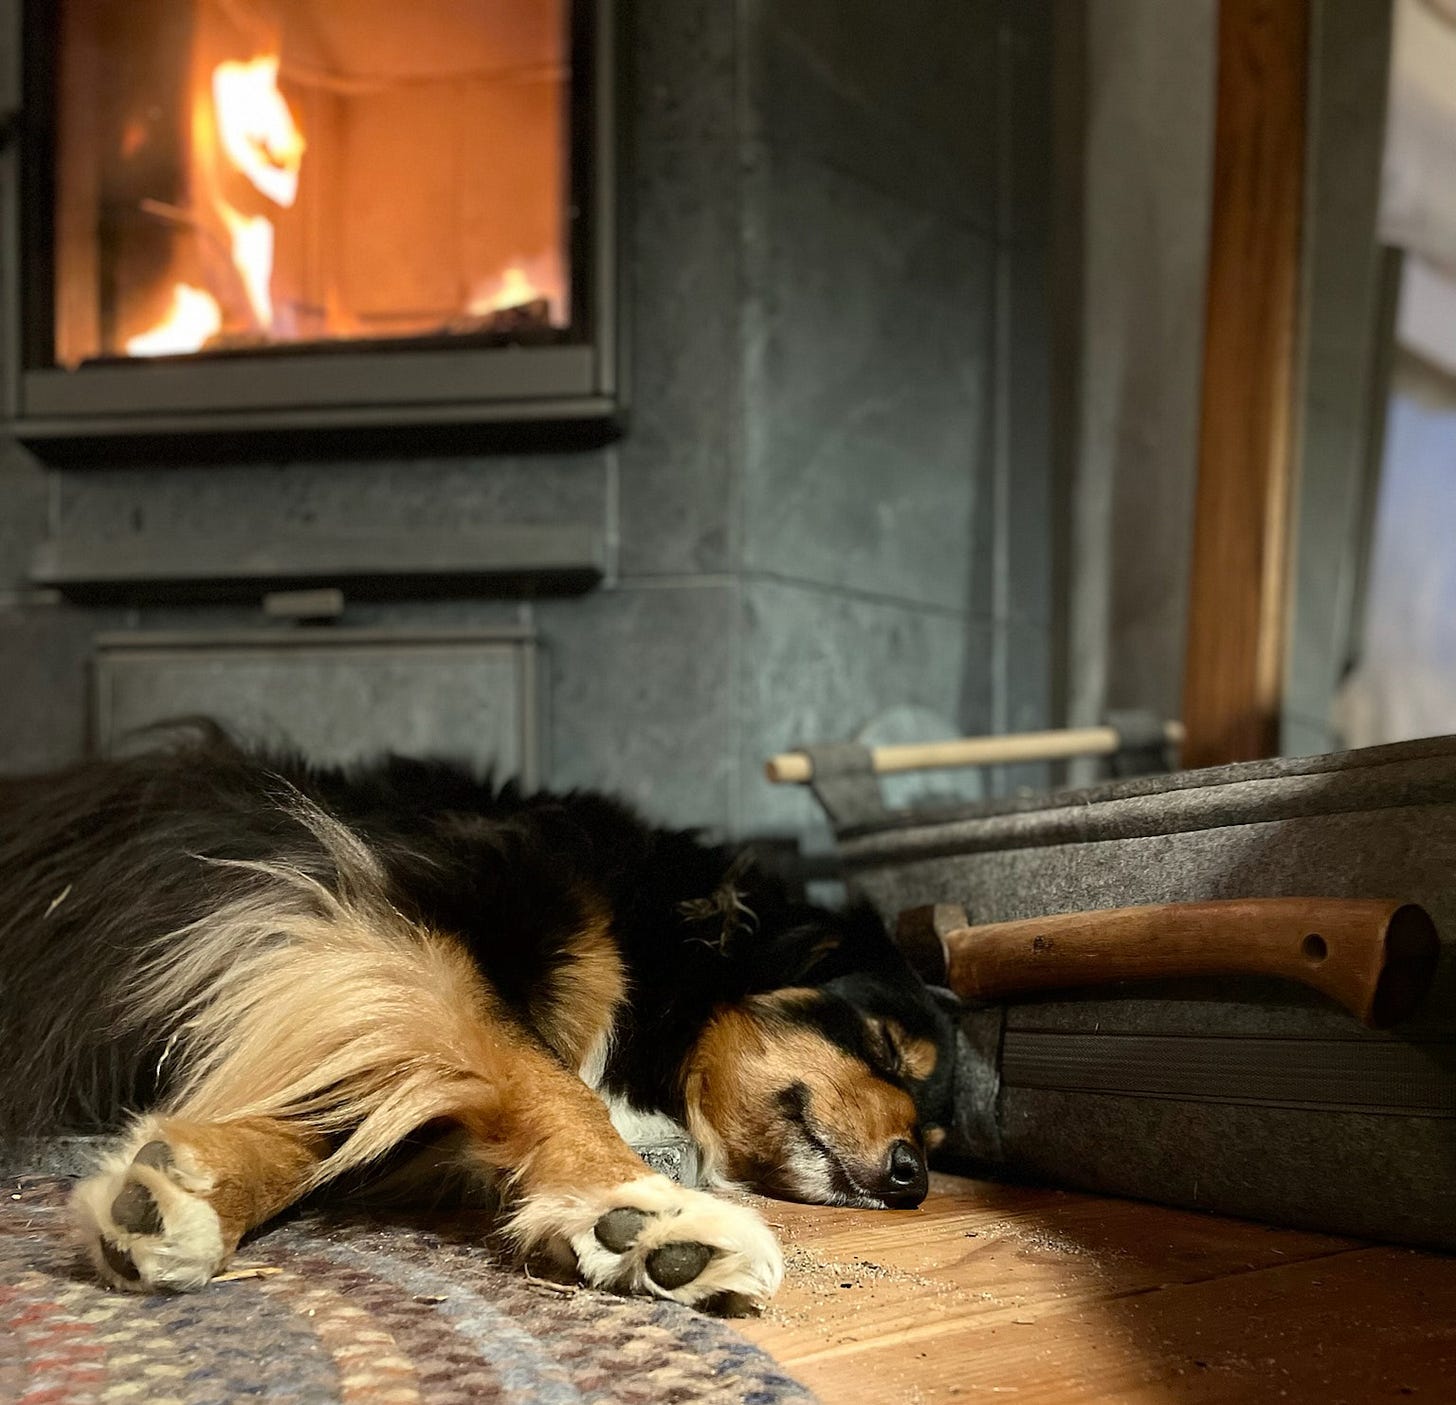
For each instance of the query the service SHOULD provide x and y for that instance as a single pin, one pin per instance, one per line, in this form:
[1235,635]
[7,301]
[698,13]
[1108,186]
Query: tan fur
[576,1012]
[736,1073]
[542,1126]
[320,1029]
[371,1029]
[319,1002]
[258,1166]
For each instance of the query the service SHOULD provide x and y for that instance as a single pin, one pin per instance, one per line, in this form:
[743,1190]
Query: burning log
[524,318]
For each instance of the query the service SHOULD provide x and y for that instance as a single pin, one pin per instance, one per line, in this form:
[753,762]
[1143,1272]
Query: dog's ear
[825,945]
[797,955]
[815,945]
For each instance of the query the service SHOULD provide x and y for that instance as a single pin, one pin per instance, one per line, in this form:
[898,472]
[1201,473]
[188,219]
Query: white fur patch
[637,1127]
[187,1252]
[594,1065]
[745,1260]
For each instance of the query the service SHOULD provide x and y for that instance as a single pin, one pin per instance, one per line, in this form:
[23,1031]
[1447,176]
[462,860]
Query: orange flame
[251,240]
[256,128]
[253,127]
[193,318]
[513,288]
[257,134]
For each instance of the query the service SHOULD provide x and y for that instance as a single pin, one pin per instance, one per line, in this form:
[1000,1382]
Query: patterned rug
[328,1308]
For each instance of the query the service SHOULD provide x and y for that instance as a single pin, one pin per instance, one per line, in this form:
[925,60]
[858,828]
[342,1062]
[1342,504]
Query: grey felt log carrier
[1240,1095]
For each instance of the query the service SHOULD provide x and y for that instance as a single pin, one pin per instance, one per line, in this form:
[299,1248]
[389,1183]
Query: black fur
[98,860]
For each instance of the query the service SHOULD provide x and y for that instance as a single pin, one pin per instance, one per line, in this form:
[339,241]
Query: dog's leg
[168,1209]
[576,1191]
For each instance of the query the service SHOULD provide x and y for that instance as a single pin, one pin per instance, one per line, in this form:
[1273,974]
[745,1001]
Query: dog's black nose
[906,1175]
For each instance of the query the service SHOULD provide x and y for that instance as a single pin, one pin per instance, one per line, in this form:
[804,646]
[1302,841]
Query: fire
[258,135]
[256,127]
[251,241]
[513,288]
[244,220]
[538,279]
[246,122]
[192,320]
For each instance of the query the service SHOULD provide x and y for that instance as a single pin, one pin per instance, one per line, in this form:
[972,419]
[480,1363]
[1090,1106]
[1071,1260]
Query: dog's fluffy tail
[290,987]
[311,997]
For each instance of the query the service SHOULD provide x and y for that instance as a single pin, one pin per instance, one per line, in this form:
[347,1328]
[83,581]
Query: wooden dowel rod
[793,767]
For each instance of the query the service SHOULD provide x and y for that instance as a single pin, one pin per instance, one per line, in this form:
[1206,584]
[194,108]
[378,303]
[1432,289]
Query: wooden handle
[1376,957]
[793,767]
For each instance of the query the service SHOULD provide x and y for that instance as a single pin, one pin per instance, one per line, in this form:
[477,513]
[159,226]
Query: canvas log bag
[1245,1096]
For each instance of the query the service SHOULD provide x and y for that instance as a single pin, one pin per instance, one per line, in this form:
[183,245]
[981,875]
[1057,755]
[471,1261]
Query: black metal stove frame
[431,395]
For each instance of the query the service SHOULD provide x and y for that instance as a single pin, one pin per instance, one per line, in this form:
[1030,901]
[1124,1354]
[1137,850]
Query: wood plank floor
[1049,1298]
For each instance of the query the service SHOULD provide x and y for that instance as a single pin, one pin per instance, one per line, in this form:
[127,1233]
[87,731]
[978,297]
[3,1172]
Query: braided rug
[332,1308]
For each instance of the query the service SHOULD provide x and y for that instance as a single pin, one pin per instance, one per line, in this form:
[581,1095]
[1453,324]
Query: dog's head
[833,1084]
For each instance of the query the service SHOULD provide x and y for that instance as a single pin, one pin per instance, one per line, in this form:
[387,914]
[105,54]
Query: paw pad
[144,1227]
[617,1230]
[135,1211]
[654,1237]
[119,1261]
[676,1265]
[672,1266]
[157,1155]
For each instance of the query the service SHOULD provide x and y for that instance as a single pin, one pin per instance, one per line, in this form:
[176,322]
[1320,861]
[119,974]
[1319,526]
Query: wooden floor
[997,1292]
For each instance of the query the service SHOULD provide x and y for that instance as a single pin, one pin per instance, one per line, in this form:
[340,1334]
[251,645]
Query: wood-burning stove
[264,225]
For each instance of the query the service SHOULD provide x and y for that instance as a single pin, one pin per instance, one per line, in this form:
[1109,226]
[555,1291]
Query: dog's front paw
[653,1236]
[144,1222]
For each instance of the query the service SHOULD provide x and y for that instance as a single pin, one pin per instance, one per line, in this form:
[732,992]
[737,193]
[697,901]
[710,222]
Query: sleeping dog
[403,975]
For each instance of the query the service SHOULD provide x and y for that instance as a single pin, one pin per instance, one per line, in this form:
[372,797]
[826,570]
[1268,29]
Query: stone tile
[45,654]
[337,705]
[1029,701]
[1007,686]
[979,680]
[334,496]
[1148,140]
[867,382]
[24,495]
[1033,505]
[902,97]
[640,697]
[684,69]
[819,666]
[406,615]
[678,459]
[1148,657]
[1026,77]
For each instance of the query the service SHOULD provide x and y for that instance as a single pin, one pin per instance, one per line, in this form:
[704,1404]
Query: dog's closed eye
[899,1053]
[885,1048]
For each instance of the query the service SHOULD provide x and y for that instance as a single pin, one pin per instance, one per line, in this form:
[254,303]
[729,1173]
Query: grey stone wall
[1146,156]
[834,497]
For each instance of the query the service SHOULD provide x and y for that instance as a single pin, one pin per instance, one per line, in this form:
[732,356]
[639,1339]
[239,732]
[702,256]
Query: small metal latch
[301,605]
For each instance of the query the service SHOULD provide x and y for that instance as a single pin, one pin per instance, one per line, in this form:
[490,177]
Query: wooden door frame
[1239,579]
